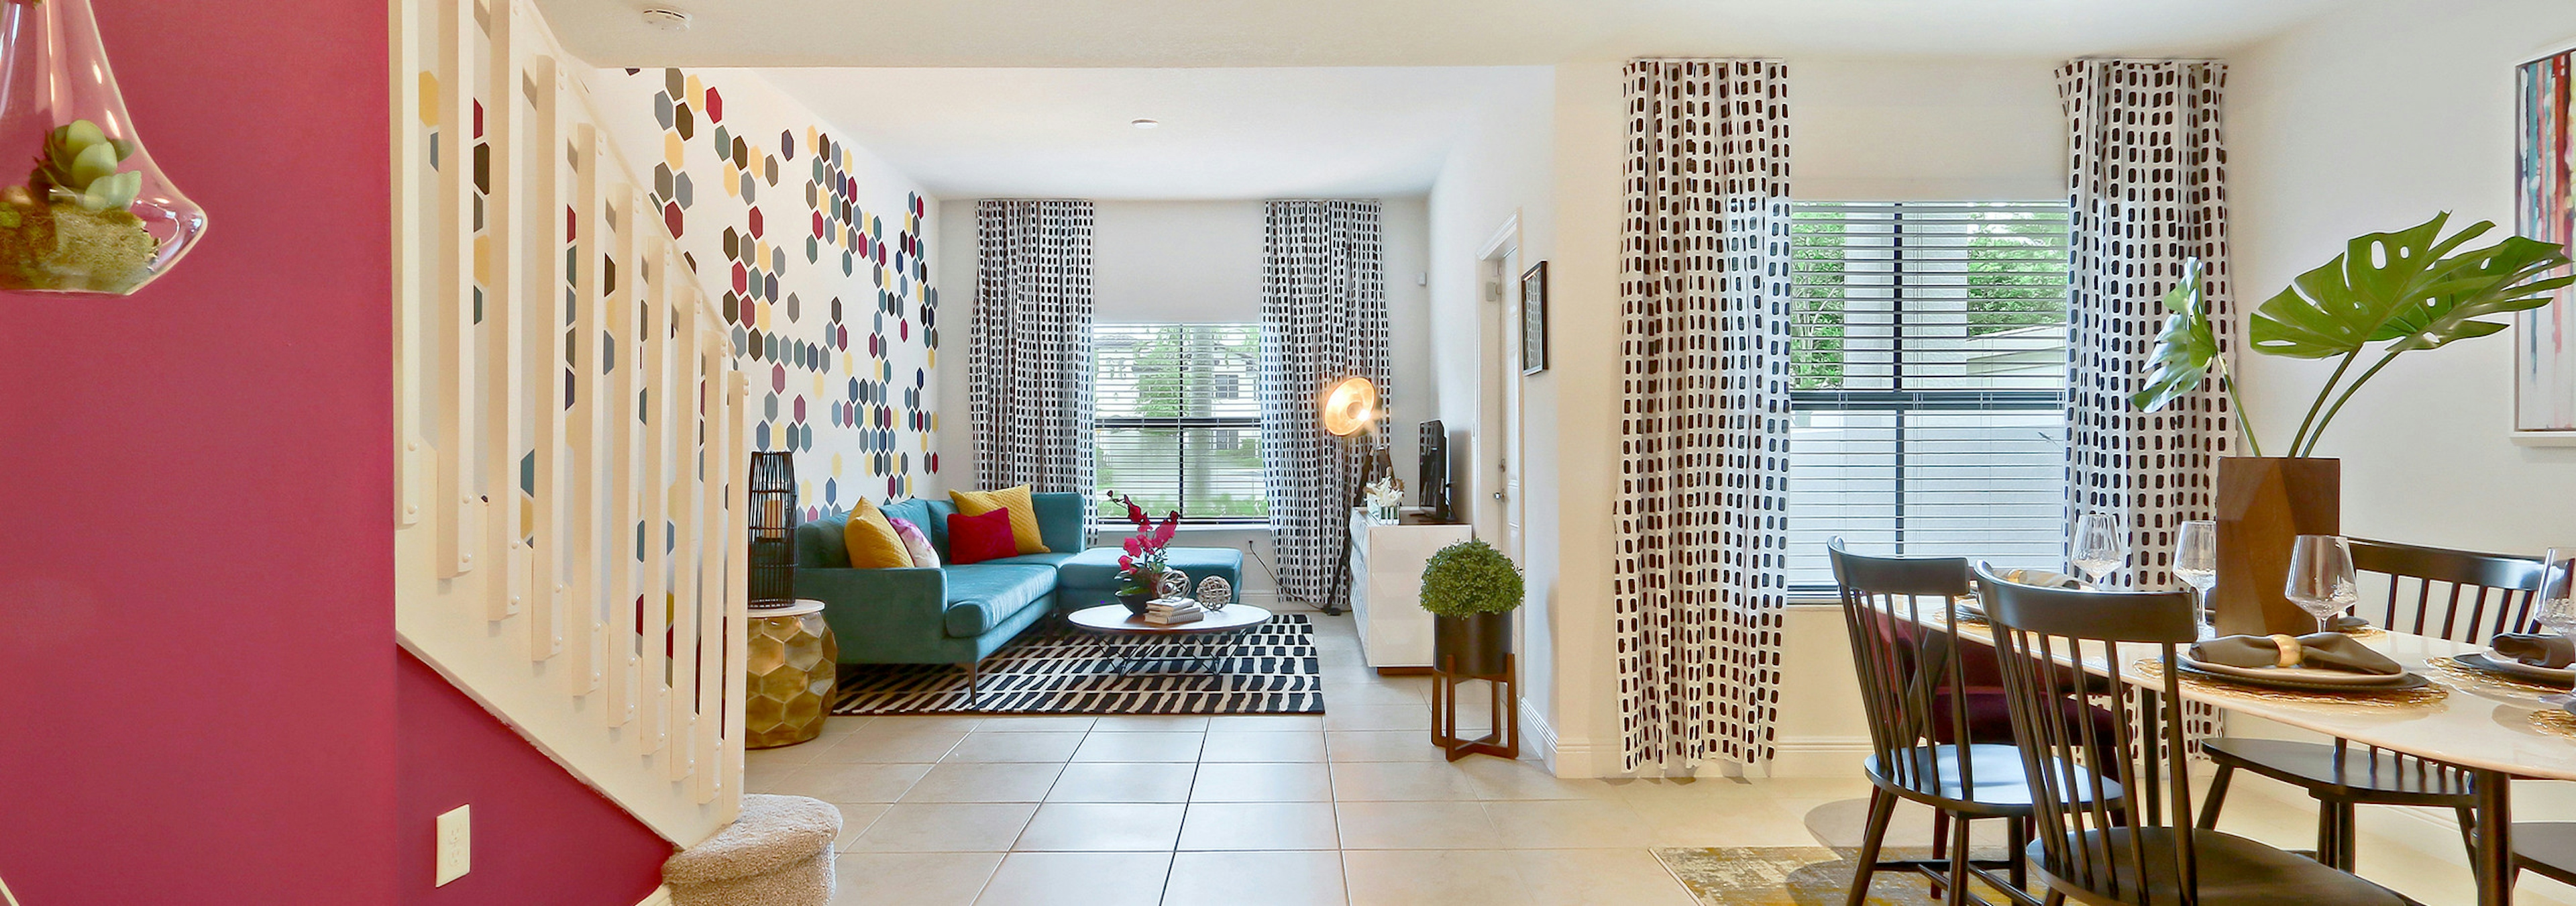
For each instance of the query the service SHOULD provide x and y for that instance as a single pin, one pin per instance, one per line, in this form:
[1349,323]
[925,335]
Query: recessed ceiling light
[1142,123]
[666,19]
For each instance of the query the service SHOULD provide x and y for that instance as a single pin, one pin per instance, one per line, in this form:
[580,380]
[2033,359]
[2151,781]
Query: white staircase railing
[569,546]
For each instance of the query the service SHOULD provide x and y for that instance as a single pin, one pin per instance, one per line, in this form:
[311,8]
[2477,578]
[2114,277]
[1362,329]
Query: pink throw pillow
[915,543]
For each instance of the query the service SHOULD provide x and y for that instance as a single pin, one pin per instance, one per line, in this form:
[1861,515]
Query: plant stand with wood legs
[1505,739]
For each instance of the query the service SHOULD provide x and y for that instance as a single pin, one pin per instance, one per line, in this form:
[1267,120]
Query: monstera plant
[2407,290]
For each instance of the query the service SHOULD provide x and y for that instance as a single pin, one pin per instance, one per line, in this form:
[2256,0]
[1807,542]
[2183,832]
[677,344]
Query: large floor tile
[1102,827]
[1381,745]
[1379,717]
[1078,879]
[1266,723]
[1234,746]
[1398,781]
[892,747]
[1037,723]
[1496,778]
[1123,782]
[832,782]
[1599,877]
[982,746]
[1368,691]
[1414,825]
[1148,746]
[1434,878]
[1255,879]
[855,818]
[912,879]
[1260,825]
[975,781]
[909,723]
[1262,782]
[1148,723]
[1714,821]
[1568,824]
[946,827]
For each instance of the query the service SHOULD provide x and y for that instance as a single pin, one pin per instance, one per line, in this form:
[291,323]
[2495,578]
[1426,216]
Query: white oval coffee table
[1213,637]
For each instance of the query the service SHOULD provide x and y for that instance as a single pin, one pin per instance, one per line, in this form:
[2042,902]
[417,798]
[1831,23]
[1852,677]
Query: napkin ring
[2289,647]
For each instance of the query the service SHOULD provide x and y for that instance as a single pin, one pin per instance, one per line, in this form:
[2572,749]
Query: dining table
[2497,729]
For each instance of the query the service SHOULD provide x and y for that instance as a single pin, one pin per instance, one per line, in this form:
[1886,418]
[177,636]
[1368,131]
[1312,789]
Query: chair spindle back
[2463,596]
[1912,681]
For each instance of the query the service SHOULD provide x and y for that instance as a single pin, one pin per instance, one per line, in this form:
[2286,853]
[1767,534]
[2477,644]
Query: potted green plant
[2400,292]
[1471,590]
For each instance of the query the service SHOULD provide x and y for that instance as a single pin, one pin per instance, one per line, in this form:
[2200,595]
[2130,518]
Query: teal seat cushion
[1049,560]
[1091,577]
[984,595]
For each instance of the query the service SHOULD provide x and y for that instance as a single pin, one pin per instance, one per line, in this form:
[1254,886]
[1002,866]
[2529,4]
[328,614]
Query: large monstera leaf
[2409,287]
[2185,350]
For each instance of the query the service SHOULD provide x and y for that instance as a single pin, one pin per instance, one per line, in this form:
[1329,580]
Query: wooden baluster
[502,264]
[585,465]
[550,300]
[459,515]
[660,601]
[619,411]
[415,280]
[687,420]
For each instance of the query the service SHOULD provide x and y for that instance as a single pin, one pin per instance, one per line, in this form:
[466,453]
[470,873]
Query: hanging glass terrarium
[94,215]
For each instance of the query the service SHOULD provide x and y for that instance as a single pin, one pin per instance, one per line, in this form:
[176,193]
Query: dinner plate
[2402,683]
[2309,675]
[2491,662]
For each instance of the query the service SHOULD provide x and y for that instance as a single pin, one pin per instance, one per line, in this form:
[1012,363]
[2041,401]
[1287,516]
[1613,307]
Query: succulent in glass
[95,214]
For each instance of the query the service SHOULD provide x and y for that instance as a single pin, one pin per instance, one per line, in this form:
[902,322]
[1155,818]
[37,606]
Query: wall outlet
[455,844]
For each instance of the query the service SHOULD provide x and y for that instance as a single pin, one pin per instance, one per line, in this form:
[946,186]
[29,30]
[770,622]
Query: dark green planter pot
[1136,603]
[1479,644]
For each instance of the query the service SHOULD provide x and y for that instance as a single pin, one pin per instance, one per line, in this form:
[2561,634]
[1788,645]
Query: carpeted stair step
[778,853]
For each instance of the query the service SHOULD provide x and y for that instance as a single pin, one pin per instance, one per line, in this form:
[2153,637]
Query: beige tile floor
[1353,807]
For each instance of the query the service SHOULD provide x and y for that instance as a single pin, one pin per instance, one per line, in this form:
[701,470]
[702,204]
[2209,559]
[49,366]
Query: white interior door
[1497,461]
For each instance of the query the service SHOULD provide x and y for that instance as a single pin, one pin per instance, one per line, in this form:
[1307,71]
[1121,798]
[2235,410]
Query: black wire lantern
[773,526]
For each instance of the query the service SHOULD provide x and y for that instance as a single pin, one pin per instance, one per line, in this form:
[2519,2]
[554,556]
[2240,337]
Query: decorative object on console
[96,215]
[2545,209]
[1143,568]
[1386,498]
[2412,289]
[1471,590]
[1214,593]
[1534,319]
[773,527]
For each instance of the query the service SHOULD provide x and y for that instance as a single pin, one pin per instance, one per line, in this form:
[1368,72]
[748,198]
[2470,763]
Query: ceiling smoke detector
[666,19]
[1142,123]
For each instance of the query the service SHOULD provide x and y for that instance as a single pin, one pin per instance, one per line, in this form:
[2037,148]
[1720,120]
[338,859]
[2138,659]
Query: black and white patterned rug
[1057,669]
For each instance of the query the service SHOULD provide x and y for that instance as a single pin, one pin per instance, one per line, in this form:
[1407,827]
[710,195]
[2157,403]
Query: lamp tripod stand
[1350,412]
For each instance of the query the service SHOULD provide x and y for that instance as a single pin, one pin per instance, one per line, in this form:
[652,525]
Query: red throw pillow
[974,539]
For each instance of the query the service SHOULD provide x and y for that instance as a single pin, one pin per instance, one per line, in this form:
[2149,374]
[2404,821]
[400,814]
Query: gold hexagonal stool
[792,662]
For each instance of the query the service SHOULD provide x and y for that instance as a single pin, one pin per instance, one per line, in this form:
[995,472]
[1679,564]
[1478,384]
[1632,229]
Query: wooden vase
[2265,503]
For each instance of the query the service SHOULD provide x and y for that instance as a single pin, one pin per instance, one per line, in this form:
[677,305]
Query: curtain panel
[1028,352]
[1700,579]
[1323,318]
[2146,194]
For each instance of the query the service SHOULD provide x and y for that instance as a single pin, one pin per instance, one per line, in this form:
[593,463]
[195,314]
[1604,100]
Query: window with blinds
[1930,376]
[1178,423]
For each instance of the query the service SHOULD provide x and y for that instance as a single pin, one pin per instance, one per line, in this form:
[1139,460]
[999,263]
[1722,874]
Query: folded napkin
[2316,650]
[2556,652]
[2042,578]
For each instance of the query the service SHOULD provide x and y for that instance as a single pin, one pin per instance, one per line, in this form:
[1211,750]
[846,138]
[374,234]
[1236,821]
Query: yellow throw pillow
[1024,514]
[872,541]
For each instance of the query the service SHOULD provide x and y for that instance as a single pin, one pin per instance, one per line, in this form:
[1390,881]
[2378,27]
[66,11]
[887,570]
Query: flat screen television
[1434,477]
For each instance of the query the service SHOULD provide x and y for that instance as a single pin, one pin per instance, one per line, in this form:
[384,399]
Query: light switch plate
[455,844]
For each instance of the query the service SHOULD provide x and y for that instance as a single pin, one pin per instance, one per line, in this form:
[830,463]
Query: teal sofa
[961,613]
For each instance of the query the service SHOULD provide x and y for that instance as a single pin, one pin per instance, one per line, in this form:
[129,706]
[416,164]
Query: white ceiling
[1225,133]
[1146,33]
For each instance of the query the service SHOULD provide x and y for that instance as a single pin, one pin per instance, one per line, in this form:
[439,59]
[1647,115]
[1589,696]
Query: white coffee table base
[1207,647]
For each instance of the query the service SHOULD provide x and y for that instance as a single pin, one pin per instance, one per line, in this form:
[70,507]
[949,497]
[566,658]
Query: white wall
[1195,261]
[2375,119]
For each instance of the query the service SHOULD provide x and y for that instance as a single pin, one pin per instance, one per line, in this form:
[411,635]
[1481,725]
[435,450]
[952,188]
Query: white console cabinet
[1386,588]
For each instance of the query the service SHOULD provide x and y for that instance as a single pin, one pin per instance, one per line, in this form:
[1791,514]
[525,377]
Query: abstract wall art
[2545,209]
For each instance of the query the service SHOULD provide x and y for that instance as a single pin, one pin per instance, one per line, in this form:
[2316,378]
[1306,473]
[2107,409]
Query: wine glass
[2321,578]
[2196,564]
[2554,608]
[2098,547]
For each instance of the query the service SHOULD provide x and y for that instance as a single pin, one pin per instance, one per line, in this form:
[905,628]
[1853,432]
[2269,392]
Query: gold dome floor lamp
[1350,412]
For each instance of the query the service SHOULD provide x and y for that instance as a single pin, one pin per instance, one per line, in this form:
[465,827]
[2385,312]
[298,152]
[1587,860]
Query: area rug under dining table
[1056,669]
[1798,875]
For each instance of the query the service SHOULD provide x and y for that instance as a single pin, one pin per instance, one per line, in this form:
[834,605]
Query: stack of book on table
[1167,611]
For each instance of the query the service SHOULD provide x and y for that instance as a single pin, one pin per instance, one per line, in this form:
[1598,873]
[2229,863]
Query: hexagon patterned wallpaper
[817,250]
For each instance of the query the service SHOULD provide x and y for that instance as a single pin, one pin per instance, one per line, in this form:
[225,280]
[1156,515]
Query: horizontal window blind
[1178,419]
[1929,359]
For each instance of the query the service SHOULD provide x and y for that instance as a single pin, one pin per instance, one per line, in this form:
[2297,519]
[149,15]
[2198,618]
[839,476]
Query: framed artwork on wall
[2545,209]
[1534,319]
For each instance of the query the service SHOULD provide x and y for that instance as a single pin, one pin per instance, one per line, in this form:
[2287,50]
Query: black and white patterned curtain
[2146,194]
[1700,578]
[1028,353]
[1323,318]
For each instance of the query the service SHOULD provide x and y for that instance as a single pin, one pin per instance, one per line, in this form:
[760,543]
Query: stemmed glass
[2555,606]
[2098,547]
[2321,578]
[2196,564]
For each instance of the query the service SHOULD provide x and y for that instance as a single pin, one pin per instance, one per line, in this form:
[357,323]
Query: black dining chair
[2151,853]
[2457,595]
[1925,692]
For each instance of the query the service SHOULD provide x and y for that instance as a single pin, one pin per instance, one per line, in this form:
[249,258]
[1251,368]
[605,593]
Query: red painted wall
[200,696]
[564,843]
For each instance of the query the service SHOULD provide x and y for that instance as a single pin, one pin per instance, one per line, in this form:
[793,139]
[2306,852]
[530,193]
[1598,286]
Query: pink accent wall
[200,696]
[196,576]
[539,835]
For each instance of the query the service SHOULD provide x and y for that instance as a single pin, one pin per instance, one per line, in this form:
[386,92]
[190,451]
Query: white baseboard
[661,896]
[1818,756]
[1536,736]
